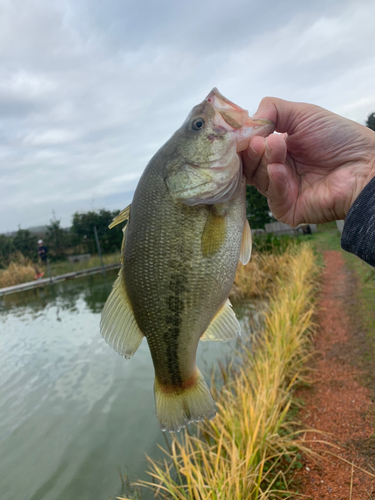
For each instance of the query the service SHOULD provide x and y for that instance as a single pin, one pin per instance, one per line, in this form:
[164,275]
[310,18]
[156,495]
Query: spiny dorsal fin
[123,243]
[214,232]
[121,217]
[118,325]
[224,326]
[246,244]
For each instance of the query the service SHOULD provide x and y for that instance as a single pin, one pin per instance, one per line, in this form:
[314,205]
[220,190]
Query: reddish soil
[338,404]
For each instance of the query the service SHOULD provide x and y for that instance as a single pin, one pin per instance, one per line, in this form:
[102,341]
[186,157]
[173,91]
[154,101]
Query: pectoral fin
[214,232]
[224,326]
[118,325]
[246,244]
[121,217]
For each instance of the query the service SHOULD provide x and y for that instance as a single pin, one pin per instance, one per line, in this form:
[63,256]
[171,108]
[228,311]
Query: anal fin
[224,326]
[246,244]
[118,325]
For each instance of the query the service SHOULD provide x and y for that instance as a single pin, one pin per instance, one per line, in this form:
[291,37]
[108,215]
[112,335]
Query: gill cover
[193,185]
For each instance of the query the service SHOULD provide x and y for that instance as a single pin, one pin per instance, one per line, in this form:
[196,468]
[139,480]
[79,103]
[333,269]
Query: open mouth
[234,119]
[229,114]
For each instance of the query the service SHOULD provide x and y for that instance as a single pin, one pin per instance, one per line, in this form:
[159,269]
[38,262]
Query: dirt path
[338,404]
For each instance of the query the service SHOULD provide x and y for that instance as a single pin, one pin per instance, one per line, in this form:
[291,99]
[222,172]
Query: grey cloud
[195,25]
[90,90]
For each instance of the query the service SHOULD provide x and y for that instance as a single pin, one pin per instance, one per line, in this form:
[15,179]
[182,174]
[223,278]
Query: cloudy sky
[90,90]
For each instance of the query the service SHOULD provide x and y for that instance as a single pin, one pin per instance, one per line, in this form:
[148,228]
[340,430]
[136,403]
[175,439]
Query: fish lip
[234,119]
[216,93]
[233,115]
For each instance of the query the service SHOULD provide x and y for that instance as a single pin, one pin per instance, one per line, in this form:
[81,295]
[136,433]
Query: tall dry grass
[259,276]
[245,452]
[20,270]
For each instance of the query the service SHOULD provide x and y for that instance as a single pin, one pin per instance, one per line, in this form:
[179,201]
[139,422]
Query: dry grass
[20,270]
[259,276]
[246,451]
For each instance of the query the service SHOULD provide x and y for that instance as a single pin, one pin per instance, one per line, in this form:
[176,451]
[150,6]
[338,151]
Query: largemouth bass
[186,231]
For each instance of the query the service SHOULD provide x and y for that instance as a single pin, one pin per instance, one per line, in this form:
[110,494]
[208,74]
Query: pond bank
[21,287]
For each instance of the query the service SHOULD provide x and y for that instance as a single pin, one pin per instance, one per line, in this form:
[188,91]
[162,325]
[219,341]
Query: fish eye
[198,123]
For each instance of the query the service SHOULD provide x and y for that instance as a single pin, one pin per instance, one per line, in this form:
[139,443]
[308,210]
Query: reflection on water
[72,411]
[93,289]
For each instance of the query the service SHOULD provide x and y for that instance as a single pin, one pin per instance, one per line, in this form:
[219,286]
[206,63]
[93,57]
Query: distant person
[320,168]
[42,252]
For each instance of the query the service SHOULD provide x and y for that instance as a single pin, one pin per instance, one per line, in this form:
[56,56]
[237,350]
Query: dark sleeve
[358,236]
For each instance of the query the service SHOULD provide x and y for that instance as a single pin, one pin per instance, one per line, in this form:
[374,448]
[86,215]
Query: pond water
[74,415]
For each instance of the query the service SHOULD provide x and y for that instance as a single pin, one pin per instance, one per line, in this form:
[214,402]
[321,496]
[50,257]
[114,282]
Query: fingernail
[251,153]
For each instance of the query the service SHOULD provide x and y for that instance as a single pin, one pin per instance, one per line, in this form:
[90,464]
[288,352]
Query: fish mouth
[236,120]
[233,116]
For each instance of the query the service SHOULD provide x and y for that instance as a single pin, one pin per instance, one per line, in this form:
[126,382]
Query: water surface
[73,413]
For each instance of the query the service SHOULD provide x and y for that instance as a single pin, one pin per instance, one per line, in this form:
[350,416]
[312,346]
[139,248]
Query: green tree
[7,248]
[370,122]
[257,210]
[57,240]
[26,243]
[83,231]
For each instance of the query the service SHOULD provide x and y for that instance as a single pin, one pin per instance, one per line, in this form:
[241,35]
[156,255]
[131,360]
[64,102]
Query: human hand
[316,168]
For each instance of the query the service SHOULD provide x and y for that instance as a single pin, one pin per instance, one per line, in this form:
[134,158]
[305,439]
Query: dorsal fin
[246,244]
[224,326]
[123,242]
[121,217]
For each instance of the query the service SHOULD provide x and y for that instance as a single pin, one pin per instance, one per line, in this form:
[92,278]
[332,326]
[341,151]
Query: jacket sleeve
[358,236]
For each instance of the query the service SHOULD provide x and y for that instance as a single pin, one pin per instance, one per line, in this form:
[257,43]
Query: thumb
[282,193]
[284,114]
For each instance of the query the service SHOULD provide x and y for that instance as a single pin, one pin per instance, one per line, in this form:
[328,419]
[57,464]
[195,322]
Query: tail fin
[177,409]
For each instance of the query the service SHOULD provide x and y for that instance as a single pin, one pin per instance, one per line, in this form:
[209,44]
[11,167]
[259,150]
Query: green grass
[364,311]
[63,267]
[366,292]
[327,237]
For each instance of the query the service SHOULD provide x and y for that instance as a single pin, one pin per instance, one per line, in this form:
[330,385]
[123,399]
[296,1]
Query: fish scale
[185,276]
